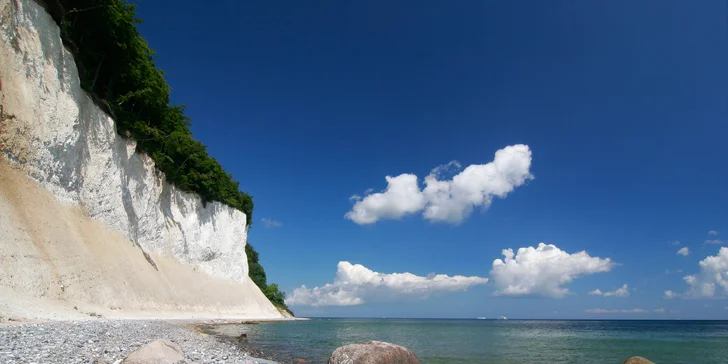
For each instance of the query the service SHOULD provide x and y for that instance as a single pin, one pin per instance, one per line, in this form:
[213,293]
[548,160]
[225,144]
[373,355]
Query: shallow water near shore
[490,341]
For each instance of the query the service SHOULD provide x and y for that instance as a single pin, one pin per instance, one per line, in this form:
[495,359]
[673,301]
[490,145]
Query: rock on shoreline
[637,360]
[373,352]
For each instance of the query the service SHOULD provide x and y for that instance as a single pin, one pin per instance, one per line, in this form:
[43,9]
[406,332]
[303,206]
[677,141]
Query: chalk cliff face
[53,130]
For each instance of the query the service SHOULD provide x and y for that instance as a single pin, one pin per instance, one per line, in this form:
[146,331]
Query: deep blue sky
[624,105]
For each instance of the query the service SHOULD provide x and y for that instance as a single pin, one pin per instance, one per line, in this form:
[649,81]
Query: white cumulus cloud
[449,200]
[712,279]
[542,271]
[354,284]
[402,197]
[714,241]
[684,251]
[603,311]
[619,292]
[712,232]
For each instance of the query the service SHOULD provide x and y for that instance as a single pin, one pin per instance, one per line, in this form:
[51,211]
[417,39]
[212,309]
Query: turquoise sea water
[513,341]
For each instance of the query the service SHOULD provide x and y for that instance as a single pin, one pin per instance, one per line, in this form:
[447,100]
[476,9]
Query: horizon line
[508,319]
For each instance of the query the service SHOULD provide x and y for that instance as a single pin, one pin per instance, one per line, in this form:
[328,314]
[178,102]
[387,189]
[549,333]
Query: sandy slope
[52,258]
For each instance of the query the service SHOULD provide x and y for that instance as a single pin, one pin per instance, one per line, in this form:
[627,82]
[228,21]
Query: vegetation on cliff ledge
[116,66]
[257,274]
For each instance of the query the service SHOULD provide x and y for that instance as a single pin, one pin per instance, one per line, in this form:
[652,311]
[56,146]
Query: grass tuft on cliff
[116,67]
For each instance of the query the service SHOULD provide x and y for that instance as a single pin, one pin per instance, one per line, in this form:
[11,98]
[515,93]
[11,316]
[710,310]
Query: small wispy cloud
[684,251]
[270,223]
[671,294]
[674,243]
[713,232]
[659,310]
[357,197]
[714,241]
[619,292]
[603,311]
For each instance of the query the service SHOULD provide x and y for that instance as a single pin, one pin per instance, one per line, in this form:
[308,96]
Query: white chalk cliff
[173,249]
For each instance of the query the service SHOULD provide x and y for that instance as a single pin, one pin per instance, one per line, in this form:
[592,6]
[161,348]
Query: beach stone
[373,352]
[159,351]
[637,360]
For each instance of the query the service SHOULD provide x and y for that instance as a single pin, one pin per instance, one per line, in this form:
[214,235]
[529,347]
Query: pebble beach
[110,341]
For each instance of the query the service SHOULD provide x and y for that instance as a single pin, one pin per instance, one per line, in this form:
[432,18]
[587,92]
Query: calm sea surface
[491,341]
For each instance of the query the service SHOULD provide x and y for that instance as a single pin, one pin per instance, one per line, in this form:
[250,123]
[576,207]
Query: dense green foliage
[255,270]
[275,295]
[257,274]
[117,68]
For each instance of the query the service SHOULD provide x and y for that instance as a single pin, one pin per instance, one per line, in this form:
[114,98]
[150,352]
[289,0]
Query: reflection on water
[490,341]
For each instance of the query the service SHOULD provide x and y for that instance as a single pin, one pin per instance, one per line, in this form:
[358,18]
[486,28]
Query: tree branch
[74,10]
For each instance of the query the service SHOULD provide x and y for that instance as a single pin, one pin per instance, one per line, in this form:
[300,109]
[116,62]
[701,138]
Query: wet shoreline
[236,333]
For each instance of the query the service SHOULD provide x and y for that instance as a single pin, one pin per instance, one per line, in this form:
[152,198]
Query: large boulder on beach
[637,360]
[373,352]
[159,351]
